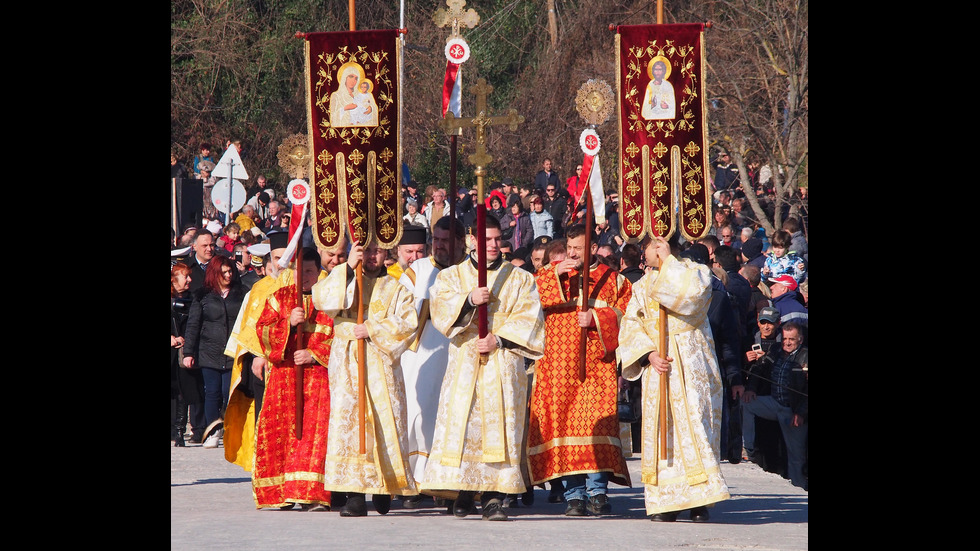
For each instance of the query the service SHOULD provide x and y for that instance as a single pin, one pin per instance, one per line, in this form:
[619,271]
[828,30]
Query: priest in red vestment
[574,426]
[289,471]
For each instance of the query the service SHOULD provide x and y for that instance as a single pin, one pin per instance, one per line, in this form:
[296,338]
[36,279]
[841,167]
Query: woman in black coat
[186,385]
[210,323]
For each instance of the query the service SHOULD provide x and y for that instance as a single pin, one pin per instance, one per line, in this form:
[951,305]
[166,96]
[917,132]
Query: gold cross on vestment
[456,16]
[482,120]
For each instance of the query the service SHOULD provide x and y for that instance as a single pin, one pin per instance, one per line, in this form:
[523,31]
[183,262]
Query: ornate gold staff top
[456,17]
[294,156]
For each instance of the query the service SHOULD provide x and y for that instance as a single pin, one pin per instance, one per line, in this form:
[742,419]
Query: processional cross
[456,16]
[481,158]
[482,120]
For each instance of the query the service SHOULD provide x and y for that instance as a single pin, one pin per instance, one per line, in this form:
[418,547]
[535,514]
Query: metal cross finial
[482,120]
[456,16]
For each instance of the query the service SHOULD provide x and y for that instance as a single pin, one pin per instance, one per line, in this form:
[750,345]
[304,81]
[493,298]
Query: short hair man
[787,401]
[574,428]
[203,247]
[334,256]
[390,322]
[475,457]
[280,474]
[538,251]
[629,263]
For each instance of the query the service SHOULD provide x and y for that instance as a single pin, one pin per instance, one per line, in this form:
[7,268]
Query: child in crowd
[781,260]
[230,236]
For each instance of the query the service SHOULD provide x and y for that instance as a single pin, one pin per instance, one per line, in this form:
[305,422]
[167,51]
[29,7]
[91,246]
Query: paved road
[211,507]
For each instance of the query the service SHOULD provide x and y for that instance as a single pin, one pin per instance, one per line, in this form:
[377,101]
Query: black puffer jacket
[209,326]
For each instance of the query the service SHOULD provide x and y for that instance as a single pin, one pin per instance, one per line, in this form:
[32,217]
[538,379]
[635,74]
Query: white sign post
[229,166]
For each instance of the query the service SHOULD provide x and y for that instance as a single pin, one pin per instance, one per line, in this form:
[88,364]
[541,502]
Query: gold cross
[482,120]
[456,16]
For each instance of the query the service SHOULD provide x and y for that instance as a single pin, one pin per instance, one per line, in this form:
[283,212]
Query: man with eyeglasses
[785,400]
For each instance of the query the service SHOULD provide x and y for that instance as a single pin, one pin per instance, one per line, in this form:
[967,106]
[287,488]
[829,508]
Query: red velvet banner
[353,93]
[660,81]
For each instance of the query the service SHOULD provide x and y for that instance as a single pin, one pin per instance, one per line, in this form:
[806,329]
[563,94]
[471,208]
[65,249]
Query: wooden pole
[662,331]
[361,359]
[452,189]
[298,340]
[584,274]
[358,295]
[481,250]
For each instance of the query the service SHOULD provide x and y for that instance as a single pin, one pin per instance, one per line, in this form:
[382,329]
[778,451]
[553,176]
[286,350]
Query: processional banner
[663,178]
[352,110]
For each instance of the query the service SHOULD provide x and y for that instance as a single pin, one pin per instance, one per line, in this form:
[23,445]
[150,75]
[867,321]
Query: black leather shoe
[413,502]
[599,505]
[528,498]
[493,510]
[382,503]
[699,514]
[664,517]
[355,506]
[463,504]
[576,508]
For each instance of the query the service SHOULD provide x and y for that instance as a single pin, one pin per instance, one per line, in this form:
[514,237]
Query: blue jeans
[217,383]
[578,486]
[768,408]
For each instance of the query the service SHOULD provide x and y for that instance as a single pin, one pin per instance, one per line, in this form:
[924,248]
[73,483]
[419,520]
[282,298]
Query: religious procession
[356,341]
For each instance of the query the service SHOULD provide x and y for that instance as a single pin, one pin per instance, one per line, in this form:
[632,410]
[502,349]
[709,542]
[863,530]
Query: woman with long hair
[212,317]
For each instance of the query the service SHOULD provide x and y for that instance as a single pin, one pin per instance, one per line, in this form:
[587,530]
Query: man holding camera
[777,389]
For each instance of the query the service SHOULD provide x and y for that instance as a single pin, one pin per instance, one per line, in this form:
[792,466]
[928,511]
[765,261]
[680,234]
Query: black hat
[508,182]
[752,248]
[278,240]
[769,314]
[413,235]
[541,240]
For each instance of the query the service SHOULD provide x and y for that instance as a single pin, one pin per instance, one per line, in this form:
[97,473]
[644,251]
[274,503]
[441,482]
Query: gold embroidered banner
[353,95]
[660,78]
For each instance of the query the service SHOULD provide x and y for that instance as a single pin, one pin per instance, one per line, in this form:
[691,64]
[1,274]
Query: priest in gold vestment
[483,401]
[390,321]
[686,475]
[574,432]
[242,411]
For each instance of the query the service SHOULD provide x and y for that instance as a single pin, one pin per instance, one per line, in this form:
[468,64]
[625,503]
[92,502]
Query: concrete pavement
[211,507]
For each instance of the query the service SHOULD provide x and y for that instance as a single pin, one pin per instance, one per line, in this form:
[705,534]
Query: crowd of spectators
[759,307]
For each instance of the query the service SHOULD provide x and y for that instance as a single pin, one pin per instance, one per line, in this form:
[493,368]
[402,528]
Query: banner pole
[662,331]
[361,343]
